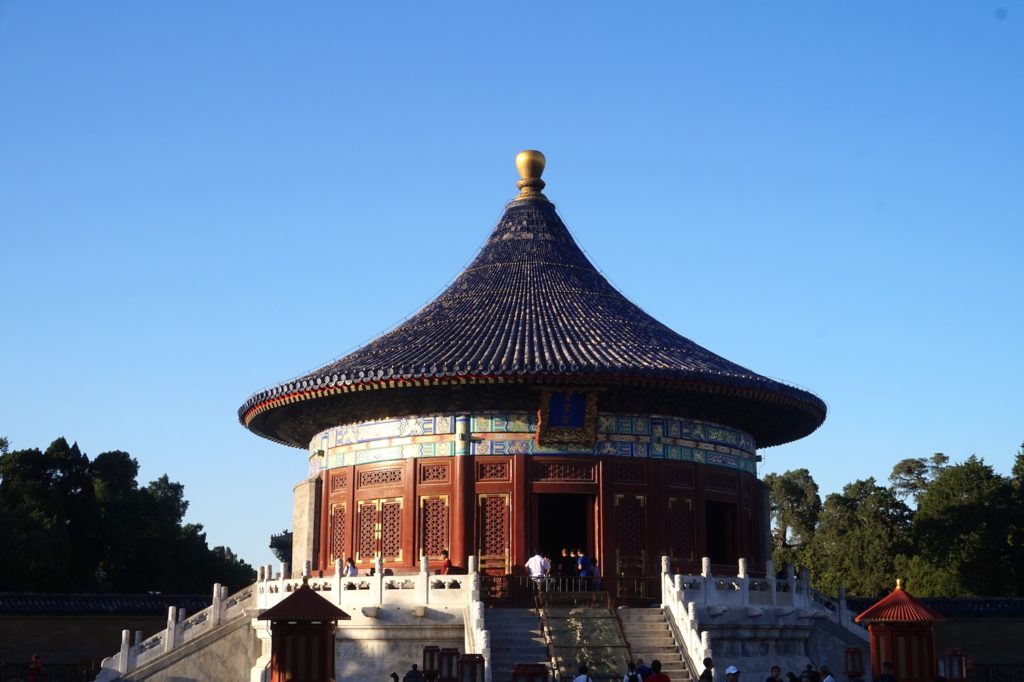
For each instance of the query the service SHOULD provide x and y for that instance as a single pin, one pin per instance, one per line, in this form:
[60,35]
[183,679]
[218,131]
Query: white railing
[686,596]
[363,593]
[223,608]
[376,589]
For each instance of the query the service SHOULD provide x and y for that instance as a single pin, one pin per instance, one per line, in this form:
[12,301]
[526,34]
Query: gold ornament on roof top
[530,164]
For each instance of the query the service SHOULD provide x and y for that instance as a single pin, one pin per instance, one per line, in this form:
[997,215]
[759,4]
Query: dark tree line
[952,530]
[71,524]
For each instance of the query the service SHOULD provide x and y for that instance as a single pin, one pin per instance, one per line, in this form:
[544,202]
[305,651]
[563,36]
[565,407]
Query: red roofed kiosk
[902,632]
[302,637]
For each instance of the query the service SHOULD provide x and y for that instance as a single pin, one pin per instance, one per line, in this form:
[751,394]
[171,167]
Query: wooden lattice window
[434,525]
[680,477]
[630,534]
[563,471]
[720,481]
[680,529]
[434,473]
[339,481]
[379,530]
[492,471]
[630,472]
[391,530]
[366,549]
[379,477]
[494,533]
[337,531]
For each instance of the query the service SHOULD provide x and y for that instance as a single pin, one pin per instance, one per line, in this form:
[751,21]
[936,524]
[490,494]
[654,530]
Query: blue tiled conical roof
[531,309]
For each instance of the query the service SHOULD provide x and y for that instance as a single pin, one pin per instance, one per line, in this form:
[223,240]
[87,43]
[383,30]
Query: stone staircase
[516,637]
[649,638]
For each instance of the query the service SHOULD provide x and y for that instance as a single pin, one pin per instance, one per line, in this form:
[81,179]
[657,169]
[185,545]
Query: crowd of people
[573,569]
[638,671]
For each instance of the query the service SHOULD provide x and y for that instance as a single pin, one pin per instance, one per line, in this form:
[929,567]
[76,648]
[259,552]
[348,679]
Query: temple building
[530,406]
[532,391]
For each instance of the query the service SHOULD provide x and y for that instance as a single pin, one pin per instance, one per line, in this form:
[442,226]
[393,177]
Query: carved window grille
[492,471]
[379,477]
[379,530]
[563,471]
[494,527]
[434,525]
[391,530]
[366,550]
[717,481]
[337,531]
[339,481]
[680,529]
[434,473]
[631,472]
[630,526]
[680,477]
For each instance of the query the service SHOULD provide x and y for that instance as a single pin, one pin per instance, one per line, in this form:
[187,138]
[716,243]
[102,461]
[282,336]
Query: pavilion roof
[531,309]
[898,607]
[304,604]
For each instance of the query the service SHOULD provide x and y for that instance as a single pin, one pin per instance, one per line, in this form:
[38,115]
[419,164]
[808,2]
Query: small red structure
[302,637]
[902,632]
[471,668]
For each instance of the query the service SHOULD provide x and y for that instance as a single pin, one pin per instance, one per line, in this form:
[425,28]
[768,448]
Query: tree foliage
[71,524]
[862,535]
[794,506]
[911,477]
[964,538]
[963,532]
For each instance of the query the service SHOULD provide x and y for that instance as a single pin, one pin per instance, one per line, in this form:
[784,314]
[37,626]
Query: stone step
[648,646]
[626,614]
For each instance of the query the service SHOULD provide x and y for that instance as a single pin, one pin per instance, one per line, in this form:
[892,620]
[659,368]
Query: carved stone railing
[687,596]
[363,593]
[223,608]
[478,638]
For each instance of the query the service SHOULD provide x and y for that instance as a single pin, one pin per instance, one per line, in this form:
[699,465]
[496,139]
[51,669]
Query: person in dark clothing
[414,675]
[776,675]
[35,669]
[642,668]
[656,674]
[810,674]
[709,671]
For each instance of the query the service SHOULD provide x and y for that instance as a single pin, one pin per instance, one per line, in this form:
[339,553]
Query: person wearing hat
[657,675]
[732,674]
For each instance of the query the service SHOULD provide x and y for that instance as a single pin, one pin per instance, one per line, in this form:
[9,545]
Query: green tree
[963,534]
[861,539]
[68,524]
[794,505]
[911,477]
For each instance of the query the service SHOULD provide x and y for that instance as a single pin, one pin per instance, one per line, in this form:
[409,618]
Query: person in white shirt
[538,566]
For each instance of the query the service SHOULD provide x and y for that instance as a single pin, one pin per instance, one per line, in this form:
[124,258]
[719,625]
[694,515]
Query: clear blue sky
[201,199]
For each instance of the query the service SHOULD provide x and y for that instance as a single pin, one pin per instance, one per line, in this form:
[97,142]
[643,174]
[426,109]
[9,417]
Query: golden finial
[530,164]
[899,583]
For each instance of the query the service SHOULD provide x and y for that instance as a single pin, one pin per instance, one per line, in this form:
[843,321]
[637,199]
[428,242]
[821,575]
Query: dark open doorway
[720,526]
[563,520]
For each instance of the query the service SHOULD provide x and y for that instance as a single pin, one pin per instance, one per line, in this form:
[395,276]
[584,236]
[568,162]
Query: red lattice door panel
[337,532]
[493,533]
[434,517]
[680,530]
[379,530]
[630,535]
